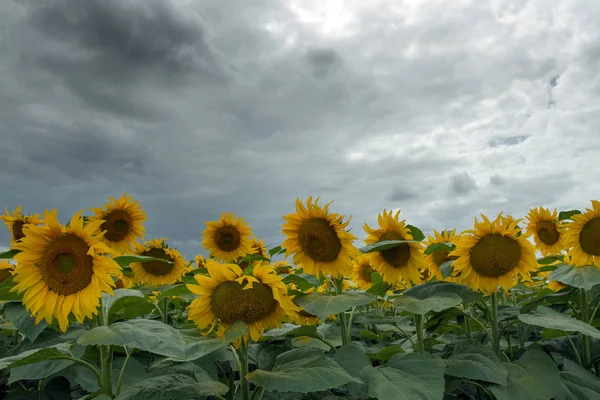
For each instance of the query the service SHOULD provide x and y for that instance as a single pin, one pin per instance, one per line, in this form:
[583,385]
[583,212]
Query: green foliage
[384,245]
[129,259]
[548,318]
[579,277]
[324,305]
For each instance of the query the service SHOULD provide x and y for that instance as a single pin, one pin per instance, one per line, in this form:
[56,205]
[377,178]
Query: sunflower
[493,254]
[154,273]
[63,270]
[401,263]
[259,300]
[122,221]
[317,240]
[303,317]
[200,261]
[582,237]
[438,257]
[283,267]
[556,286]
[227,239]
[362,271]
[259,248]
[16,222]
[543,225]
[6,270]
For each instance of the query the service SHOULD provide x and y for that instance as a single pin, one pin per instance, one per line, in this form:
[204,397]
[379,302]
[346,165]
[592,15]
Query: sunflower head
[401,263]
[440,256]
[544,227]
[582,237]
[156,272]
[6,270]
[303,317]
[283,267]
[122,221]
[260,300]
[16,222]
[317,239]
[227,239]
[362,271]
[63,270]
[493,254]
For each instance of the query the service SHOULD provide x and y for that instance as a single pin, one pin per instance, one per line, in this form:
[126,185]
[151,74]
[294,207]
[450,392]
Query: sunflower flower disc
[154,273]
[362,271]
[318,241]
[122,221]
[227,239]
[582,237]
[402,263]
[438,257]
[544,227]
[493,254]
[259,300]
[63,270]
[16,222]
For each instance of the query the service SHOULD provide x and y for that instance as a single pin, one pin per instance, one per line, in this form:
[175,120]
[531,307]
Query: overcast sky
[443,109]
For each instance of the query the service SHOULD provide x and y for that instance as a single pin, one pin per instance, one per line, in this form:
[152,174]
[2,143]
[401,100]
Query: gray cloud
[497,180]
[461,184]
[507,141]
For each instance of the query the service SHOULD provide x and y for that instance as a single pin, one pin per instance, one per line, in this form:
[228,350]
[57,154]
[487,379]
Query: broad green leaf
[551,298]
[302,370]
[172,386]
[475,361]
[567,214]
[388,352]
[548,318]
[353,360]
[274,250]
[301,282]
[18,315]
[432,248]
[6,294]
[324,305]
[533,377]
[579,277]
[446,269]
[384,245]
[176,290]
[368,335]
[291,330]
[158,338]
[430,289]
[406,377]
[549,260]
[39,370]
[379,289]
[416,233]
[9,254]
[129,259]
[131,307]
[577,383]
[36,355]
[308,341]
[437,302]
[370,319]
[115,301]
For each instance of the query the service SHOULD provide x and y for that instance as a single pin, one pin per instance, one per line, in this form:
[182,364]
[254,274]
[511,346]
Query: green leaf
[437,302]
[548,318]
[302,370]
[429,289]
[432,248]
[308,341]
[551,298]
[353,360]
[368,335]
[384,245]
[416,233]
[128,259]
[379,289]
[39,370]
[176,290]
[549,260]
[567,214]
[406,377]
[301,282]
[6,294]
[156,337]
[579,277]
[388,352]
[58,351]
[475,361]
[9,254]
[18,315]
[324,305]
[577,383]
[274,250]
[446,268]
[115,301]
[172,386]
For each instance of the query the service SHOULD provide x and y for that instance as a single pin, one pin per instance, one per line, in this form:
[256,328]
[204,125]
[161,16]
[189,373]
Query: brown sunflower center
[4,274]
[319,240]
[230,303]
[228,238]
[65,265]
[494,255]
[366,273]
[17,229]
[157,268]
[547,232]
[589,238]
[398,256]
[117,225]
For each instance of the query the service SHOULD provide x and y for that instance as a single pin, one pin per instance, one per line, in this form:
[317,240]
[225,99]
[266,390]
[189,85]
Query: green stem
[106,357]
[165,310]
[243,353]
[494,322]
[420,340]
[467,326]
[341,316]
[122,374]
[586,339]
[350,324]
[574,349]
[92,395]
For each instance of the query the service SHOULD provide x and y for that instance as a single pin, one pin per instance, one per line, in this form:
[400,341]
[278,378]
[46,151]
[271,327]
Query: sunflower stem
[243,353]
[165,310]
[106,356]
[467,323]
[586,355]
[122,374]
[494,322]
[339,289]
[420,338]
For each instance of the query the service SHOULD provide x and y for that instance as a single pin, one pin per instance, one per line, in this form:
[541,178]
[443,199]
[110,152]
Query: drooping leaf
[548,318]
[175,290]
[302,282]
[9,254]
[577,383]
[172,386]
[579,277]
[353,360]
[549,260]
[384,245]
[567,214]
[379,289]
[429,289]
[437,302]
[129,259]
[446,268]
[323,305]
[309,341]
[416,233]
[432,248]
[475,361]
[58,351]
[18,315]
[6,294]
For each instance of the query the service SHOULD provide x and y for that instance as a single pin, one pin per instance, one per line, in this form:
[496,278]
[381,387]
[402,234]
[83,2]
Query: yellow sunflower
[493,254]
[259,300]
[303,317]
[544,226]
[6,270]
[259,248]
[16,222]
[154,273]
[362,271]
[318,241]
[556,286]
[200,261]
[122,221]
[283,267]
[582,237]
[227,239]
[401,263]
[63,270]
[438,257]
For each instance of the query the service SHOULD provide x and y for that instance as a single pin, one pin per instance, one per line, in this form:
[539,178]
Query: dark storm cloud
[461,184]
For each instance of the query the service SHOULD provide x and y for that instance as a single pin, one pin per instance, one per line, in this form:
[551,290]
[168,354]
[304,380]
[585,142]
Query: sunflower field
[507,310]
